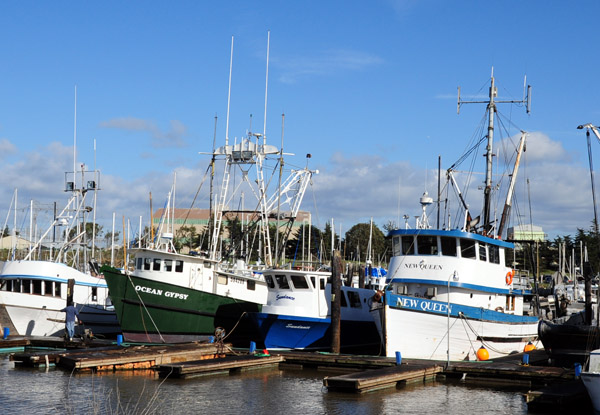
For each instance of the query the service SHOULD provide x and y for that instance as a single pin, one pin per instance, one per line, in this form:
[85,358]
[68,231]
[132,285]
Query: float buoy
[483,354]
[529,347]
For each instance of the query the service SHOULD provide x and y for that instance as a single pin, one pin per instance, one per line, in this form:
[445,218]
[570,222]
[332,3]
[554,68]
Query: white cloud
[327,63]
[6,148]
[173,137]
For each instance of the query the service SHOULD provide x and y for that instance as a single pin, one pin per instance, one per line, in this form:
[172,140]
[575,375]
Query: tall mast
[491,108]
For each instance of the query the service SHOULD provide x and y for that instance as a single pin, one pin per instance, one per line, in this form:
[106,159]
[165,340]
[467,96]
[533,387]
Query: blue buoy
[577,370]
[211,339]
[526,359]
[6,333]
[119,339]
[398,358]
[252,347]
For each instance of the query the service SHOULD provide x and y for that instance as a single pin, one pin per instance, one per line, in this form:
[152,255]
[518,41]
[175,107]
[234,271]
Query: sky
[368,88]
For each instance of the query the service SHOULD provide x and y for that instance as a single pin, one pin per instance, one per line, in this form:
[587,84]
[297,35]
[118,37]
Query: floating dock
[219,365]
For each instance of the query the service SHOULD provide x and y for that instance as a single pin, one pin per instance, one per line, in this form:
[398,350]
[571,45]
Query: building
[527,232]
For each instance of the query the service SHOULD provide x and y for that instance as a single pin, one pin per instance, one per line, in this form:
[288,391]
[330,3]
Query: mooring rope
[145,308]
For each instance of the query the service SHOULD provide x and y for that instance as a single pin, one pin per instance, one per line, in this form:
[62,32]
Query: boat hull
[158,312]
[281,332]
[418,329]
[568,343]
[591,381]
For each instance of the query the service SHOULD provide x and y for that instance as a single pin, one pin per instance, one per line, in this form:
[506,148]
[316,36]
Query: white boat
[34,291]
[591,379]
[298,314]
[449,291]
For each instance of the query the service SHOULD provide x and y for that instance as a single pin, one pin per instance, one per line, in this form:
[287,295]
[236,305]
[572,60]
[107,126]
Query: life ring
[509,276]
[499,309]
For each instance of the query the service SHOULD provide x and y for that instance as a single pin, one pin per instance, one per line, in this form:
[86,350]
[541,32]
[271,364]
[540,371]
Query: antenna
[266,89]
[75,140]
[229,95]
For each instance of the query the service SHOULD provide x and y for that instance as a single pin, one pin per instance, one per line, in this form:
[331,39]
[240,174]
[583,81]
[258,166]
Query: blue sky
[367,87]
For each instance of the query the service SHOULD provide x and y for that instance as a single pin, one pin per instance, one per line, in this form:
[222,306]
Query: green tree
[357,242]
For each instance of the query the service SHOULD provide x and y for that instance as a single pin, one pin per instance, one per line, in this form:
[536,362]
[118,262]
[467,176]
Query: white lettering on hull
[155,291]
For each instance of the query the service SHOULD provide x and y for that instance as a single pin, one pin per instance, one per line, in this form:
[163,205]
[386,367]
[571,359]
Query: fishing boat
[297,314]
[449,289]
[591,379]
[33,291]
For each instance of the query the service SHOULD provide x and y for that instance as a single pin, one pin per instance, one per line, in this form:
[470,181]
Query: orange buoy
[265,352]
[528,347]
[483,354]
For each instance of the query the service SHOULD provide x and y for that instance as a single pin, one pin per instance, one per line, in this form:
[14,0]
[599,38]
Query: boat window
[147,262]
[282,282]
[168,265]
[156,265]
[94,293]
[36,286]
[448,246]
[494,252]
[322,283]
[482,252]
[57,286]
[269,281]
[222,279]
[26,286]
[354,299]
[427,245]
[396,246]
[207,264]
[299,282]
[467,248]
[343,301]
[408,245]
[17,286]
[312,281]
[251,285]
[178,266]
[48,288]
[139,263]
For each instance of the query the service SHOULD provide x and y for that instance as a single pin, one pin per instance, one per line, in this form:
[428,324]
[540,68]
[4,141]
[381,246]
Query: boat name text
[294,326]
[156,291]
[434,267]
[423,305]
[284,297]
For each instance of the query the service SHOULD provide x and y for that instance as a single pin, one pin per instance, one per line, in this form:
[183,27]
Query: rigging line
[197,192]
[145,308]
[481,337]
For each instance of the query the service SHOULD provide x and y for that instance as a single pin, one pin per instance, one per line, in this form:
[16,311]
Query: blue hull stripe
[441,308]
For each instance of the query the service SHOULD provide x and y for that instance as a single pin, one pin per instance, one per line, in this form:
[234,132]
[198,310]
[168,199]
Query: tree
[357,242]
[108,238]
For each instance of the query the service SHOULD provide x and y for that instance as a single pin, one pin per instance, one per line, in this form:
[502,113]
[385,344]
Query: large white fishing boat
[34,290]
[450,291]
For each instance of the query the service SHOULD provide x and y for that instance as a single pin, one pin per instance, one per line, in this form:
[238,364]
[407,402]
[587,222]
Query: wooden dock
[220,365]
[382,378]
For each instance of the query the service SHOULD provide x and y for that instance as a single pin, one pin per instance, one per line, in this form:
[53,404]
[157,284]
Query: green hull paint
[160,312]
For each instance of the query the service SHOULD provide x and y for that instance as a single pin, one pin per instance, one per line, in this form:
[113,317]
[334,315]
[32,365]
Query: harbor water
[54,390]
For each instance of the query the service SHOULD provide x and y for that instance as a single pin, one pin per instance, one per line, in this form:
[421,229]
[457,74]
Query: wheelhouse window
[156,265]
[147,262]
[482,252]
[94,293]
[168,265]
[251,285]
[408,245]
[448,246]
[48,288]
[139,263]
[178,266]
[282,282]
[427,245]
[467,249]
[343,301]
[354,299]
[494,252]
[269,281]
[396,246]
[299,282]
[57,286]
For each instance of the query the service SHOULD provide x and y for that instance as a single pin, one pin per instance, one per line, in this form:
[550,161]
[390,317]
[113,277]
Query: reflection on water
[290,392]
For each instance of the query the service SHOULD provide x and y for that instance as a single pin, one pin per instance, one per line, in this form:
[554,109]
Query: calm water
[41,391]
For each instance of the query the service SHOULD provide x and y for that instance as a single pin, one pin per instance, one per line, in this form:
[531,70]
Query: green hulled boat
[174,298]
